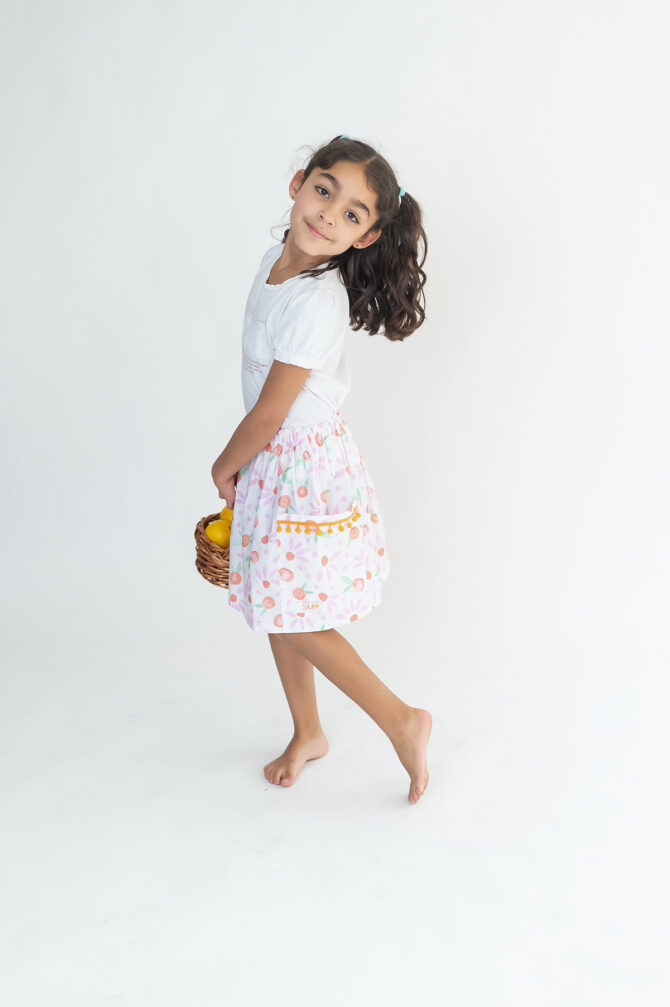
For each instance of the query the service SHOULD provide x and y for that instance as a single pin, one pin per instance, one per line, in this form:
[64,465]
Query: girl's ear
[369,239]
[296,182]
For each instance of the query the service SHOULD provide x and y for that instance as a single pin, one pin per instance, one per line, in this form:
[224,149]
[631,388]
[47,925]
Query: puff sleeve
[309,328]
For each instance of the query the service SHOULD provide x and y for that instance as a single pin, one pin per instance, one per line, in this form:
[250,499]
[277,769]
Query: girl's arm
[261,423]
[251,434]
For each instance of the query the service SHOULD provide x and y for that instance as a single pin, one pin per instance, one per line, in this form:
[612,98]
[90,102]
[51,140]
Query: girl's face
[335,202]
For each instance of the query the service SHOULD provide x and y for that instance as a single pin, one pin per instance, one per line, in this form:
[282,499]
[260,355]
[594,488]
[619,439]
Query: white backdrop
[519,447]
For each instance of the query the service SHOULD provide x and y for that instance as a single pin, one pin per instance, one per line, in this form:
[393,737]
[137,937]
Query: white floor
[147,861]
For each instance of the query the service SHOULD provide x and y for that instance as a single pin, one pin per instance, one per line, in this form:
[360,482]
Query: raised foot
[410,745]
[286,767]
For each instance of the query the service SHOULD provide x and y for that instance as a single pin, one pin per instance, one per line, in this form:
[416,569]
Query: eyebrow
[336,185]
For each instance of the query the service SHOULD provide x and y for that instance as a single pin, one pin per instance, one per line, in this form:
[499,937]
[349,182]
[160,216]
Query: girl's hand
[226,488]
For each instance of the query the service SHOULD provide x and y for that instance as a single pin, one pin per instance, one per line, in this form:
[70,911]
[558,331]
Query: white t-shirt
[302,321]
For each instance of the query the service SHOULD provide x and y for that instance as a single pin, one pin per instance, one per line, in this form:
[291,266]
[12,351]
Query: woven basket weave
[211,560]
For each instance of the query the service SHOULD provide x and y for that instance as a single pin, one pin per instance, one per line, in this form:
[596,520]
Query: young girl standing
[307,546]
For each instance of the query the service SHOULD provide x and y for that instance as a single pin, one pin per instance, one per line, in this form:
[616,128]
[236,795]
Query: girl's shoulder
[323,293]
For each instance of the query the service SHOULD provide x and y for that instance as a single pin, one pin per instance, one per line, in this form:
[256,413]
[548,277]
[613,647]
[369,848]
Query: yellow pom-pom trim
[318,527]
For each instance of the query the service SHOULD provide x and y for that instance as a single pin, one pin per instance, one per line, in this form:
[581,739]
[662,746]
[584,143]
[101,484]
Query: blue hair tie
[345,137]
[401,192]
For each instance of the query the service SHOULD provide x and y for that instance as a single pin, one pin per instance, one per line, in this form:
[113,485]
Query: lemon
[219,532]
[226,515]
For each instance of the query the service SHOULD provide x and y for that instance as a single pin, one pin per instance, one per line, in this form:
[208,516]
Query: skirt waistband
[335,423]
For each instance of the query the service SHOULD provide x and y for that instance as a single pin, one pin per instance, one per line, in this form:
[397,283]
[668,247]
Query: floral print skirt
[307,544]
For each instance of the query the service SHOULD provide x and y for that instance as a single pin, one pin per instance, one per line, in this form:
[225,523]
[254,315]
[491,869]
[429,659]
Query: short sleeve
[308,328]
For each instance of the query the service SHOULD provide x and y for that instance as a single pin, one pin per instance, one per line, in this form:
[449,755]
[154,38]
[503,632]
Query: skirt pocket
[321,559]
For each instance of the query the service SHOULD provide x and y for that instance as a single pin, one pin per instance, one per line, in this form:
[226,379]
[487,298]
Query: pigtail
[386,279]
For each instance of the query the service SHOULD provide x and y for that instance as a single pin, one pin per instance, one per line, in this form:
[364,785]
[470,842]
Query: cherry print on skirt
[307,542]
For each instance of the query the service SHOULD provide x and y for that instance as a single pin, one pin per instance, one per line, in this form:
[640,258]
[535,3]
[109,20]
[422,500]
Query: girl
[307,545]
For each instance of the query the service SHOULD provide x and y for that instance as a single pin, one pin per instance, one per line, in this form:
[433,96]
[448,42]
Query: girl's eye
[321,188]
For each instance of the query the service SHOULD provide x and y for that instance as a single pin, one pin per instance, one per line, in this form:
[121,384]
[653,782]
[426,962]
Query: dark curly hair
[385,280]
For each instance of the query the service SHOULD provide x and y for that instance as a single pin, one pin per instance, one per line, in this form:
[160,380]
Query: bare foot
[284,769]
[410,745]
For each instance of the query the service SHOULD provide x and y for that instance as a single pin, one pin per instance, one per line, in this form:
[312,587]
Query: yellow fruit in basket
[226,515]
[219,532]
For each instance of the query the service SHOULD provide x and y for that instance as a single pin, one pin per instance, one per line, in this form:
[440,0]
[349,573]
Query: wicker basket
[211,559]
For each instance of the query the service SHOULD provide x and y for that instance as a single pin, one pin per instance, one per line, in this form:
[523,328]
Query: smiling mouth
[317,233]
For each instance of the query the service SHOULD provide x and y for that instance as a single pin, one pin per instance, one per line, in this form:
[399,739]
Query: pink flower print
[284,501]
[357,605]
[267,496]
[356,585]
[323,496]
[277,449]
[337,557]
[264,570]
[298,593]
[306,454]
[245,540]
[319,463]
[277,621]
[322,577]
[295,622]
[300,549]
[318,438]
[234,577]
[285,573]
[302,491]
[254,556]
[268,601]
[354,533]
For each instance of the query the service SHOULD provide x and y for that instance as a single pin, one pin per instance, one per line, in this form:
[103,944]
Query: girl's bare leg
[308,741]
[407,727]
